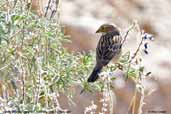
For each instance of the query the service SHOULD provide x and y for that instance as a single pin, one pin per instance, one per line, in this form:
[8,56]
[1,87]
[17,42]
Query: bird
[108,49]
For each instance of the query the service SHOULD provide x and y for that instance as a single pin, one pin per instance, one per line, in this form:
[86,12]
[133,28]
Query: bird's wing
[117,45]
[107,48]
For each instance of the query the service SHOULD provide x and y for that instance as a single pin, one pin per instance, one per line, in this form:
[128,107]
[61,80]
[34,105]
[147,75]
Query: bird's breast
[117,56]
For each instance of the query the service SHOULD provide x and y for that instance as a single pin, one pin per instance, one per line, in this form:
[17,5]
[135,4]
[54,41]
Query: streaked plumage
[108,48]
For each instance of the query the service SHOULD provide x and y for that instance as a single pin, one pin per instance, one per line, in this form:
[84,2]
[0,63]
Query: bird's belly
[116,57]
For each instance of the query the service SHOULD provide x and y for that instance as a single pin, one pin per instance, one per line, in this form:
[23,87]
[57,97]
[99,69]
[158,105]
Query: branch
[136,52]
[47,8]
[130,28]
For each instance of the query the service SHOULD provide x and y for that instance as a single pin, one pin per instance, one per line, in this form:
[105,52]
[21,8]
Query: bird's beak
[98,31]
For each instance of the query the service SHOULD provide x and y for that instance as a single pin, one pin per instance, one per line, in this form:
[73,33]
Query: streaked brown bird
[108,49]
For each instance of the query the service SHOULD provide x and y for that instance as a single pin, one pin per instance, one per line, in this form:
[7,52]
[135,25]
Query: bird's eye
[103,28]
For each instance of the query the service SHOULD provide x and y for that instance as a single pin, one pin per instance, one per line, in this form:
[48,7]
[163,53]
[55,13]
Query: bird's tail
[94,75]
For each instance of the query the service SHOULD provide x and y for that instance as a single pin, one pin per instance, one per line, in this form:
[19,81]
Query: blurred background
[81,18]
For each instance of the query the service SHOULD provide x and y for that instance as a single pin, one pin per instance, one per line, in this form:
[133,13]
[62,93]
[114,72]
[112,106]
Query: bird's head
[106,28]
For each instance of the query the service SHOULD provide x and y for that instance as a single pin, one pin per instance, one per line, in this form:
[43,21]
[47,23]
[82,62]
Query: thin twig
[4,67]
[58,11]
[55,10]
[30,6]
[47,8]
[132,101]
[136,52]
[22,66]
[142,95]
[23,83]
[38,84]
[130,28]
[110,97]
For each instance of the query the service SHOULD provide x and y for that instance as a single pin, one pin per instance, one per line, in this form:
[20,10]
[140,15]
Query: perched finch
[108,49]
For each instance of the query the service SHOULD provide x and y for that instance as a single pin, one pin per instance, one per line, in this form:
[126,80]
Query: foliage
[33,61]
[35,67]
